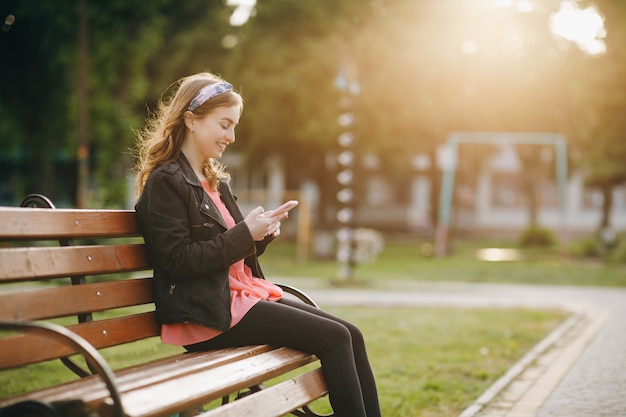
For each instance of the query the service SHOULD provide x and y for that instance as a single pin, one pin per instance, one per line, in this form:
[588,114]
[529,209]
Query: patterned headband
[209,92]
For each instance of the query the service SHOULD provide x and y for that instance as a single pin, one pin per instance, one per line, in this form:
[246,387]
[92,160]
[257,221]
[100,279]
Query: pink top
[245,291]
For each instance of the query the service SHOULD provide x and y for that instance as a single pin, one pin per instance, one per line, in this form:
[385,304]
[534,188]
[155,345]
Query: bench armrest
[298,294]
[91,354]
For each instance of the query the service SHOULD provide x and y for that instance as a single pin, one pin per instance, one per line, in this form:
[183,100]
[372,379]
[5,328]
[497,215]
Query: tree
[124,37]
[286,61]
[429,68]
[599,95]
[37,49]
[425,68]
[40,109]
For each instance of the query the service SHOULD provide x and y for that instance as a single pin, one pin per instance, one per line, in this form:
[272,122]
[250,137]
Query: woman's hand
[261,225]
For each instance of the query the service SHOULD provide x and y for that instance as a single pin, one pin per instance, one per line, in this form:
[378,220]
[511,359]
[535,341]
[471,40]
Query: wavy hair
[162,138]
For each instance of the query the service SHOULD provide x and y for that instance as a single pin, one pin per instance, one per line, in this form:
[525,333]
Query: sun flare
[584,27]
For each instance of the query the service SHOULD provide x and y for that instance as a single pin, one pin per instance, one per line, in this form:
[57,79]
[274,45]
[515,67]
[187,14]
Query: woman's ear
[189,120]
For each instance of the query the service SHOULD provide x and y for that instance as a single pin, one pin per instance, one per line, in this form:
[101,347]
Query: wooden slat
[45,303]
[24,349]
[37,223]
[209,375]
[277,400]
[28,264]
[133,378]
[202,387]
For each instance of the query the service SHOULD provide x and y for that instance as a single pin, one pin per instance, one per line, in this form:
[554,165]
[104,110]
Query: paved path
[579,370]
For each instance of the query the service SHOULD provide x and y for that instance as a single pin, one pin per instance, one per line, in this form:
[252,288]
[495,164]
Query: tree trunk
[607,206]
[83,118]
[531,192]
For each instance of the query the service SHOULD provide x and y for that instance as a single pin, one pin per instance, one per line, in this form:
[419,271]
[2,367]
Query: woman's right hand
[260,225]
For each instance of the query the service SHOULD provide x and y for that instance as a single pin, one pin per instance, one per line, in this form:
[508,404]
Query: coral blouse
[245,291]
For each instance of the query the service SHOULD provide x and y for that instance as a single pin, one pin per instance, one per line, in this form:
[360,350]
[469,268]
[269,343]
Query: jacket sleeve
[262,245]
[163,212]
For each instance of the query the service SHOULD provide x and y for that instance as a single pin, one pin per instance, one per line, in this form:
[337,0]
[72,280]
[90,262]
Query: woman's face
[214,132]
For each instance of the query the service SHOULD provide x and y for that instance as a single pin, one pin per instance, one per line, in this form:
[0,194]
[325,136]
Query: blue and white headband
[209,92]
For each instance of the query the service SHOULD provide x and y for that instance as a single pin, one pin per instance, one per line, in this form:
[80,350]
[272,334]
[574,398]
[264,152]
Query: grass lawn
[427,361]
[403,260]
[437,361]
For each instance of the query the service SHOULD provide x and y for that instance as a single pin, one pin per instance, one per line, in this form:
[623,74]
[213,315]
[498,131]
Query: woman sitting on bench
[209,289]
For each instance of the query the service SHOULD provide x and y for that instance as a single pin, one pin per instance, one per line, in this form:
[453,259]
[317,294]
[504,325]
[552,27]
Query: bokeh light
[585,27]
[242,12]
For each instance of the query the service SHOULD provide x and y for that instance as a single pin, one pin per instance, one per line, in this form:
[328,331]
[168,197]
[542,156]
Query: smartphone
[282,209]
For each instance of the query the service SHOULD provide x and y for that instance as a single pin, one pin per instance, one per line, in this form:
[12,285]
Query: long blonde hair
[161,140]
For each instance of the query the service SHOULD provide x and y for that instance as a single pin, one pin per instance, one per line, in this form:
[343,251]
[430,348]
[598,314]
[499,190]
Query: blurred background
[429,117]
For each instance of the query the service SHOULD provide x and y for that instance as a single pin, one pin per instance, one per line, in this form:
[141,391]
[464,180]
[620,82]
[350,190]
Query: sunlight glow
[243,11]
[469,47]
[497,254]
[584,27]
[503,3]
[524,6]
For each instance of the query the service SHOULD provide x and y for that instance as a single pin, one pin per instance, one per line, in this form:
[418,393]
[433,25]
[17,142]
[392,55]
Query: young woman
[209,289]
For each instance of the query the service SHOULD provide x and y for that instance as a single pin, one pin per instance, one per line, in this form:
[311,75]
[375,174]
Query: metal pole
[561,175]
[445,196]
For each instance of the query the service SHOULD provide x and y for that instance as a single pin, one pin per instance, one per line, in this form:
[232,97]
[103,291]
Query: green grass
[437,361]
[427,361]
[17,381]
[403,260]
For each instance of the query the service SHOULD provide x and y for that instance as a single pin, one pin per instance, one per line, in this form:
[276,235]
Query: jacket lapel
[230,202]
[206,204]
[209,208]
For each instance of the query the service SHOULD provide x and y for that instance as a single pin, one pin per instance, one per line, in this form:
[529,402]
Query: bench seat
[88,270]
[166,386]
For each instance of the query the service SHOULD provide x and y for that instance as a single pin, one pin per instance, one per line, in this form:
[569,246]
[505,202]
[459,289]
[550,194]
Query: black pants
[338,344]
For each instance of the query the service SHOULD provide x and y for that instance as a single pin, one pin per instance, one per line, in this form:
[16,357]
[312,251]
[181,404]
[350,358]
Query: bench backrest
[94,257]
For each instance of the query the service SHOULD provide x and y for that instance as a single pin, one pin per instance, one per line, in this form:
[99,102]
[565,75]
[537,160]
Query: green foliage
[286,62]
[416,83]
[536,236]
[589,247]
[617,251]
[36,86]
[118,89]
[595,247]
[598,105]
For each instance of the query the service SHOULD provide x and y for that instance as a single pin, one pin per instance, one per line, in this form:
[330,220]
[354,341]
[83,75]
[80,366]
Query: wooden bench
[101,266]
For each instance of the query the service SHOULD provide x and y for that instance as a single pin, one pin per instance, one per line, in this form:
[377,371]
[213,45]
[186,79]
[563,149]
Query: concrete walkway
[579,370]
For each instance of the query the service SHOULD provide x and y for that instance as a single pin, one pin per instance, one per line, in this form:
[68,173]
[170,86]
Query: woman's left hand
[261,225]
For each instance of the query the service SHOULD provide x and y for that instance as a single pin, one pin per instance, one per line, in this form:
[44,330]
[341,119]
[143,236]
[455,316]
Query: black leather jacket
[190,246]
